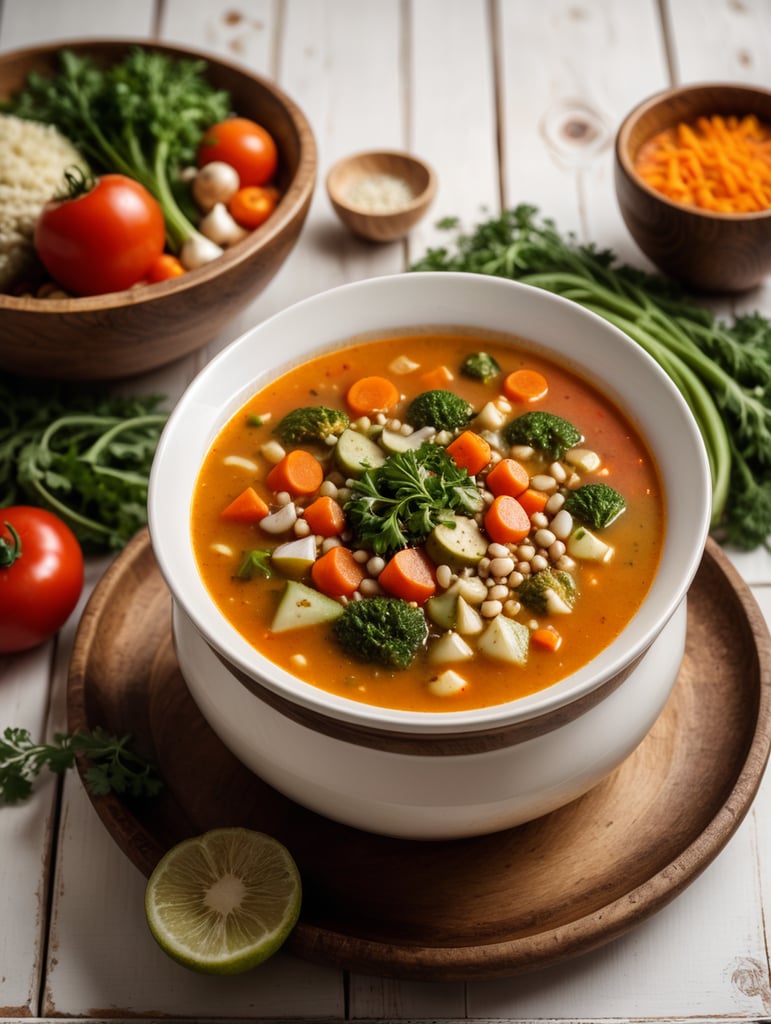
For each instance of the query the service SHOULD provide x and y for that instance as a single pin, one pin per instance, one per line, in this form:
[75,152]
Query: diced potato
[295,557]
[585,545]
[449,647]
[448,684]
[506,640]
[583,458]
[468,621]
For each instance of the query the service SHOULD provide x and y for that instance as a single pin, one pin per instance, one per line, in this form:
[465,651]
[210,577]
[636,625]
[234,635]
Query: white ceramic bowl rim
[401,303]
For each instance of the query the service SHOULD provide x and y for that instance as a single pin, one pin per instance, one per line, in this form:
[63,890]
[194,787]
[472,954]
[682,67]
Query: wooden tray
[470,909]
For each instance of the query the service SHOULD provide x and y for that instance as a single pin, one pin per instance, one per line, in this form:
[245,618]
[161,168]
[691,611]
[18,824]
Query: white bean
[555,503]
[544,482]
[544,538]
[538,563]
[498,551]
[558,471]
[375,565]
[328,489]
[562,524]
[557,550]
[443,576]
[489,609]
[501,567]
[369,588]
[498,593]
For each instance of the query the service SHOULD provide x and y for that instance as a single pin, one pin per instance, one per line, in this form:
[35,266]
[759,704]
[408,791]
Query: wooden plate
[471,909]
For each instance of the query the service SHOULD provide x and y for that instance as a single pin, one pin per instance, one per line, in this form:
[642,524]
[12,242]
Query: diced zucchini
[586,546]
[458,545]
[449,647]
[295,557]
[505,640]
[301,606]
[394,441]
[441,608]
[355,452]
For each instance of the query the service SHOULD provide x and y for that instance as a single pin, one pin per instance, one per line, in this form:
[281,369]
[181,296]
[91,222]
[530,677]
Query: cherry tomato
[41,576]
[164,268]
[243,144]
[251,206]
[103,239]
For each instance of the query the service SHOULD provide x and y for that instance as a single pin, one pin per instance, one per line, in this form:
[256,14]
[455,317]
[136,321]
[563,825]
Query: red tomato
[103,240]
[41,576]
[243,144]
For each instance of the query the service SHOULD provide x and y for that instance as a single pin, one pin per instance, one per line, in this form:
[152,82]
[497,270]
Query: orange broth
[609,593]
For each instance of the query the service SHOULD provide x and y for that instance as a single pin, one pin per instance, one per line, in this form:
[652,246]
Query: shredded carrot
[298,472]
[325,517]
[437,378]
[525,386]
[372,394]
[469,451]
[717,163]
[532,500]
[337,573]
[547,638]
[507,477]
[409,574]
[247,507]
[506,521]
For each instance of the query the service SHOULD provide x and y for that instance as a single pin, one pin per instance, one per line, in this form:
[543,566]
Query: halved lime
[224,901]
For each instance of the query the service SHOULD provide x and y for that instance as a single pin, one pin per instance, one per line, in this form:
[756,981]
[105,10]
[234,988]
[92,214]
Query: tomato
[41,576]
[243,144]
[251,206]
[102,239]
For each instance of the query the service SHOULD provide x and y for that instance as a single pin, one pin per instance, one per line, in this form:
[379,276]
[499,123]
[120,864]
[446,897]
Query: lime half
[224,901]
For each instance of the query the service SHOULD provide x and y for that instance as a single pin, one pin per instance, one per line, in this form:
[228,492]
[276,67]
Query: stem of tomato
[9,552]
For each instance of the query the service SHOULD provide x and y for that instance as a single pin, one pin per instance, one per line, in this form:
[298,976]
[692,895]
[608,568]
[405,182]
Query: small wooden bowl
[705,251]
[379,168]
[119,334]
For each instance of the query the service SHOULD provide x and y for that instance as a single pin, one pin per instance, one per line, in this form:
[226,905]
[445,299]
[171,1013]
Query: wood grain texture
[524,898]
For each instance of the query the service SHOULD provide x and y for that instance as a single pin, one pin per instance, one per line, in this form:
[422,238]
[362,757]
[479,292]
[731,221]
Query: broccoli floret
[595,504]
[480,366]
[382,630]
[548,592]
[311,423]
[542,430]
[443,410]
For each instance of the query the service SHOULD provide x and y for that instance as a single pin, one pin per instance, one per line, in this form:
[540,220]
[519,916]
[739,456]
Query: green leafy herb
[399,503]
[112,766]
[85,456]
[722,369]
[143,116]
[255,563]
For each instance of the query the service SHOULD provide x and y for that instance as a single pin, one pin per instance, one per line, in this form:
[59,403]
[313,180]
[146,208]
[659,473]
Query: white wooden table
[486,90]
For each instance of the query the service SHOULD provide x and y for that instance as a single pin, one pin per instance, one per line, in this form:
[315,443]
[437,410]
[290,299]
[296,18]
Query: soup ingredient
[311,424]
[251,206]
[33,159]
[548,592]
[723,369]
[143,117]
[525,386]
[245,145]
[82,454]
[382,631]
[255,563]
[370,395]
[595,504]
[219,227]
[325,517]
[714,163]
[113,766]
[507,477]
[302,606]
[246,507]
[225,901]
[216,182]
[506,521]
[438,408]
[399,503]
[337,573]
[41,576]
[480,366]
[164,268]
[299,473]
[356,451]
[379,193]
[546,637]
[410,575]
[103,235]
[544,431]
[470,451]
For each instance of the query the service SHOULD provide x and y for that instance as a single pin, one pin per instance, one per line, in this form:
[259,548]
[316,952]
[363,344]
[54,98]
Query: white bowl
[433,775]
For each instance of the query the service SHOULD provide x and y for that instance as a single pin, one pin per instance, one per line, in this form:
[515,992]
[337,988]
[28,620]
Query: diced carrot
[525,386]
[247,507]
[506,521]
[507,477]
[547,638]
[437,378]
[409,574]
[164,268]
[298,472]
[325,517]
[372,394]
[469,451]
[532,500]
[337,573]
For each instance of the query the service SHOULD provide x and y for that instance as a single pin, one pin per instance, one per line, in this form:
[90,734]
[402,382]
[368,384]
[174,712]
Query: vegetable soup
[433,522]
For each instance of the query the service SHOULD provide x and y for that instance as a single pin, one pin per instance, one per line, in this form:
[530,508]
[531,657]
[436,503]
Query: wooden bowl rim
[626,164]
[296,195]
[423,198]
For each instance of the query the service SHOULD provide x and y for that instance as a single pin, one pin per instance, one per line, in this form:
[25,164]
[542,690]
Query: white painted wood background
[480,89]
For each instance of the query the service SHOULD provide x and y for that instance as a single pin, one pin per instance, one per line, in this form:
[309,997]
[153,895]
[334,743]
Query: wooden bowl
[380,216]
[124,333]
[706,251]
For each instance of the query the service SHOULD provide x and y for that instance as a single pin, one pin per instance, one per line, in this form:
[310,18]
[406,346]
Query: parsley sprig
[398,504]
[113,767]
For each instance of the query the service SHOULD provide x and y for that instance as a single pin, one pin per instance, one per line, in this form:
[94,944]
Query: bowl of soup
[429,539]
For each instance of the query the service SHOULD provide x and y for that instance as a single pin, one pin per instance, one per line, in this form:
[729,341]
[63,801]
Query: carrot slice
[247,507]
[507,477]
[337,573]
[325,517]
[409,574]
[506,521]
[547,638]
[372,394]
[469,451]
[525,386]
[532,500]
[437,378]
[298,472]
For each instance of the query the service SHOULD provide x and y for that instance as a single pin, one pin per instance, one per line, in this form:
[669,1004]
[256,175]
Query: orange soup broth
[609,594]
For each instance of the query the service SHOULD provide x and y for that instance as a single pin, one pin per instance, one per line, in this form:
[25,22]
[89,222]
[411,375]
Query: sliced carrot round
[298,472]
[410,575]
[525,386]
[506,521]
[337,573]
[371,395]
